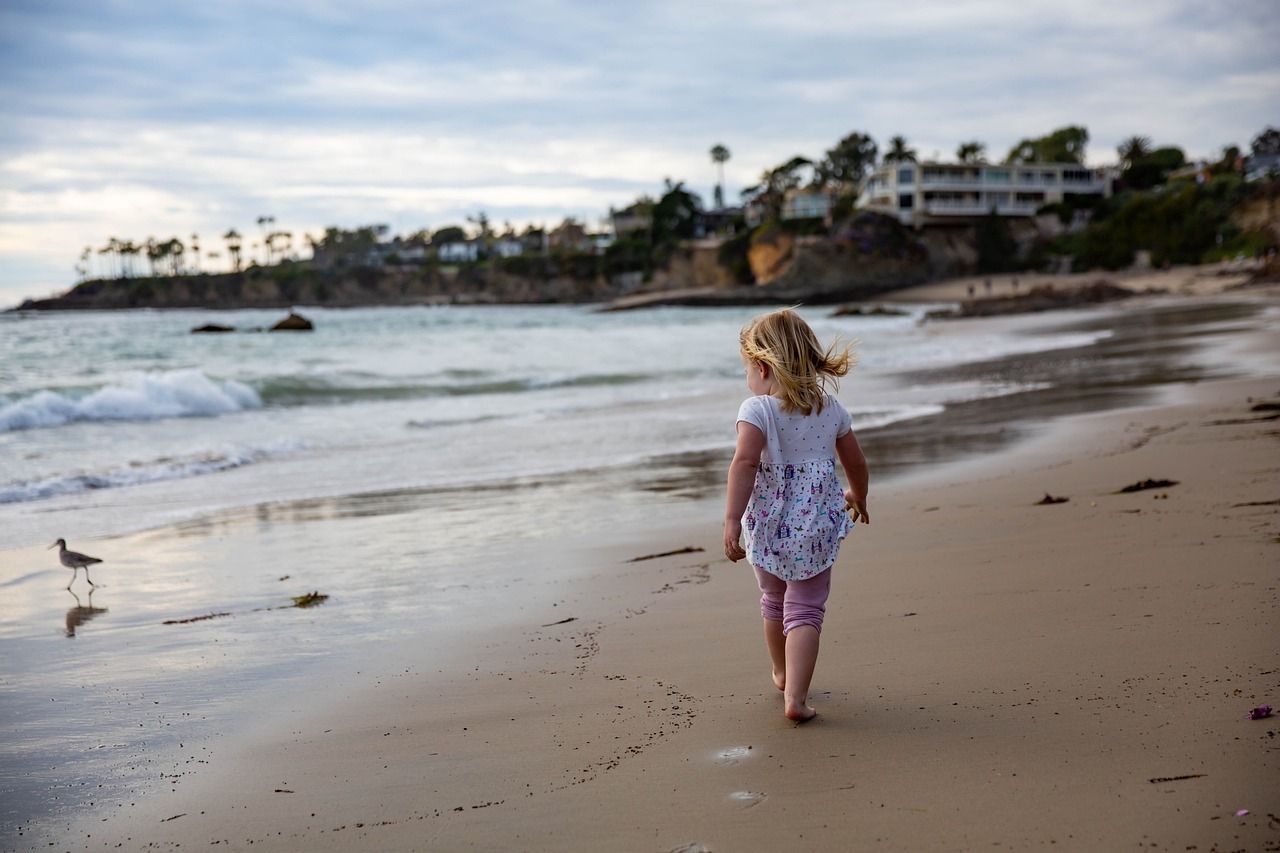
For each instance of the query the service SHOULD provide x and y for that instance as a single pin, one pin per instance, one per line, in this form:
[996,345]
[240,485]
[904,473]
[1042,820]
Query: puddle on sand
[733,755]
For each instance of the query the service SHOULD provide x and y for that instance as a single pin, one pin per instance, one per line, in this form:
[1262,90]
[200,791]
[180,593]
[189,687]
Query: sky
[149,118]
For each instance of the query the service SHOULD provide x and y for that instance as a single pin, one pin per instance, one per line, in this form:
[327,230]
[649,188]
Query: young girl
[783,491]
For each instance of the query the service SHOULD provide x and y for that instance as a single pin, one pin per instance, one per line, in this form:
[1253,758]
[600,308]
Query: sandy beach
[995,673]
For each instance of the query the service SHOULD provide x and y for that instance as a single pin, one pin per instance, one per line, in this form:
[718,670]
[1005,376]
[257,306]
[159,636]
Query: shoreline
[956,679]
[541,654]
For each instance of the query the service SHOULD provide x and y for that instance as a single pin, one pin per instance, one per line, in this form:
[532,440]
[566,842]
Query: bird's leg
[73,578]
[86,577]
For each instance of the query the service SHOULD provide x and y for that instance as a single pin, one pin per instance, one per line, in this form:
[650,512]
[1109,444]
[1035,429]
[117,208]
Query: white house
[806,203]
[458,252]
[508,246]
[933,192]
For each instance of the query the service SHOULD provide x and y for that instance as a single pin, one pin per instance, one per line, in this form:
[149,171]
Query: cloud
[138,118]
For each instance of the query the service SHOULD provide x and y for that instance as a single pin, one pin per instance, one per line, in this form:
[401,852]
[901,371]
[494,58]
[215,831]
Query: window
[1000,176]
[1049,177]
[906,175]
[1027,177]
[906,201]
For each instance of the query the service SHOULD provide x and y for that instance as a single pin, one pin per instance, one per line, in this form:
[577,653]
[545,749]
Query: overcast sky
[137,119]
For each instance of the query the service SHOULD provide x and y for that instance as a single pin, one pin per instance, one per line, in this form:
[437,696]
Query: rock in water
[293,323]
[211,327]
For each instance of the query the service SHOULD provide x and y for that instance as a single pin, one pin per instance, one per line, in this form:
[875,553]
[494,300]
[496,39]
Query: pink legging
[794,603]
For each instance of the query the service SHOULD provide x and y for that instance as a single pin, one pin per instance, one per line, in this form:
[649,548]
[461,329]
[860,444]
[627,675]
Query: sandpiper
[74,560]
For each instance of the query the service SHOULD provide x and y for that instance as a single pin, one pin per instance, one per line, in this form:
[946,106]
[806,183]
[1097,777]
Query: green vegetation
[1185,223]
[1064,145]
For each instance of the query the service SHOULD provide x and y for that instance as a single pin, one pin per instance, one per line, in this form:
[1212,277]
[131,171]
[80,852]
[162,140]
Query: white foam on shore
[136,473]
[140,397]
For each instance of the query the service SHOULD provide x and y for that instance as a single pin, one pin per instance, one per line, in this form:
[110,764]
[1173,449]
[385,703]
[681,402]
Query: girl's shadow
[80,614]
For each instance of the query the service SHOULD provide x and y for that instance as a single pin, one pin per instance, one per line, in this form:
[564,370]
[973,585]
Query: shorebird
[74,560]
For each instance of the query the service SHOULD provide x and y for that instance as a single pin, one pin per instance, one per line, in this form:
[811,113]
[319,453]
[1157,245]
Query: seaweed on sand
[1143,485]
[311,599]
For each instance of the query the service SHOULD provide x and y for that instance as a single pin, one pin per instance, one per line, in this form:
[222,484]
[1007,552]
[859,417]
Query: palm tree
[719,156]
[195,251]
[1133,149]
[234,241]
[174,250]
[263,222]
[971,152]
[111,249]
[155,251]
[129,250]
[86,261]
[899,152]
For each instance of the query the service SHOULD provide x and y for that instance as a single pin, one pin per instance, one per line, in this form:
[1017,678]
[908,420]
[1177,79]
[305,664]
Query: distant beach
[472,489]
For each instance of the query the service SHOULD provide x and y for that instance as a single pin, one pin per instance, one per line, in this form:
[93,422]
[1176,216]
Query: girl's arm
[742,478]
[855,468]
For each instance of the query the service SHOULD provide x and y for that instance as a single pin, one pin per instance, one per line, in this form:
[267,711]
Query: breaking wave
[140,397]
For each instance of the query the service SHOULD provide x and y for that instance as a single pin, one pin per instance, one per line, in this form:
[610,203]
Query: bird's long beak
[51,547]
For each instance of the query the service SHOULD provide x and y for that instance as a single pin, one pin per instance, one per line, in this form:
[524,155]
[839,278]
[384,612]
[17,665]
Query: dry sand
[994,674]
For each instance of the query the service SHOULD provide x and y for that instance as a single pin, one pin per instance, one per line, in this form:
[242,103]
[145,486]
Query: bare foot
[801,713]
[780,679]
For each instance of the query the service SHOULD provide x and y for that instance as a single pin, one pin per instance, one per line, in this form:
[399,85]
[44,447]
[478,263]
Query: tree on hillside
[1151,169]
[1230,162]
[111,250]
[719,156]
[774,183]
[263,222]
[195,251]
[234,242]
[174,250]
[128,251]
[972,152]
[1267,142]
[154,253]
[1064,145]
[848,161]
[899,152]
[449,234]
[1133,149]
[675,215]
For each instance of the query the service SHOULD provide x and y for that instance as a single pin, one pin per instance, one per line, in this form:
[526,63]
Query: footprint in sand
[733,755]
[747,799]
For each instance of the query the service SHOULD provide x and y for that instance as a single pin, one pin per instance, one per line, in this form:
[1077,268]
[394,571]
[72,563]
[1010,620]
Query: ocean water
[172,424]
[428,468]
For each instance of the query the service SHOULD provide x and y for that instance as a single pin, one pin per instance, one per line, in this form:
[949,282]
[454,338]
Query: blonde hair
[802,369]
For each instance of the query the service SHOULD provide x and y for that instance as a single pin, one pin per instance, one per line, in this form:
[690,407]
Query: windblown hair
[803,370]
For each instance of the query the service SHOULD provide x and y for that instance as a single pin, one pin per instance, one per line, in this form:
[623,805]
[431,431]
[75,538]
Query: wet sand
[1198,280]
[993,673]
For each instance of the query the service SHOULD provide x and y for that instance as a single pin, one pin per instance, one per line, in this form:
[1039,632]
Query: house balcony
[978,208]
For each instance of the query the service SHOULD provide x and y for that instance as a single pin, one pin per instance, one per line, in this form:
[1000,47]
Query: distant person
[972,290]
[784,497]
[986,285]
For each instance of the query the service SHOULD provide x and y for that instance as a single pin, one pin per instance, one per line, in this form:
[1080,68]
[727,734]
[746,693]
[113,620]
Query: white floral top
[795,518]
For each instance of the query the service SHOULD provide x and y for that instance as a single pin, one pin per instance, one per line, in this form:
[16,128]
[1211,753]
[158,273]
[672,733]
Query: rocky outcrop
[293,323]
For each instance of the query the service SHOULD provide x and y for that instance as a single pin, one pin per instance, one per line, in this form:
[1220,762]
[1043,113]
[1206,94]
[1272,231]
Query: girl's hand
[857,506]
[732,540]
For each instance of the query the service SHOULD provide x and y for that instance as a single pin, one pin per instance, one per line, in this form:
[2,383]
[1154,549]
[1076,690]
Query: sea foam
[139,397]
[137,473]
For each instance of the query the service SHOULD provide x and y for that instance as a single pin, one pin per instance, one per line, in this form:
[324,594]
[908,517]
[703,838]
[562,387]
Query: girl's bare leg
[777,651]
[801,656]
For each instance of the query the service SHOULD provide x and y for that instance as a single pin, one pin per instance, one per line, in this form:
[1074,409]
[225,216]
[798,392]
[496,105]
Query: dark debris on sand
[689,549]
[1049,499]
[1143,485]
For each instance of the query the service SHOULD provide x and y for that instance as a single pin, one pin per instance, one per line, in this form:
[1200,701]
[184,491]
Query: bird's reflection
[81,614]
